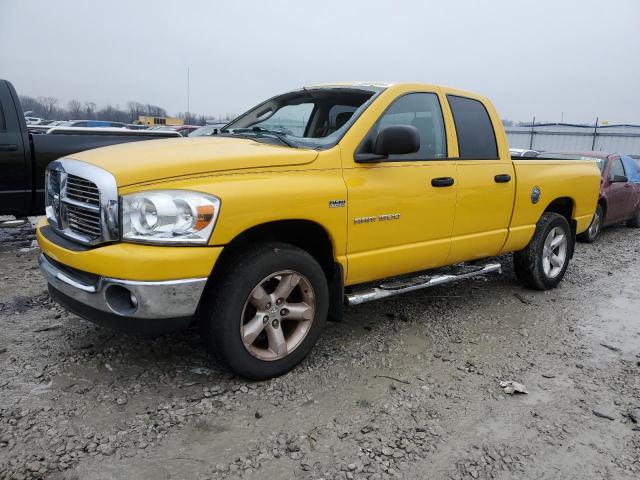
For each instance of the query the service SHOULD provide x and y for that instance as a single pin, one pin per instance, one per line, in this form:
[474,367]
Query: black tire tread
[217,329]
[527,261]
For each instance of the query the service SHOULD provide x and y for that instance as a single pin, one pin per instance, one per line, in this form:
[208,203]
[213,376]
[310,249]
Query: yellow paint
[130,261]
[259,183]
[171,158]
[556,179]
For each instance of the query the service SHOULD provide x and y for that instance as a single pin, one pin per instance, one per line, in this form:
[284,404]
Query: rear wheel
[590,234]
[543,263]
[266,311]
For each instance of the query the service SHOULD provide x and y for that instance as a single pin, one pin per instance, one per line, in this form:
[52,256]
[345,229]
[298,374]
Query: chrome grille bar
[82,202]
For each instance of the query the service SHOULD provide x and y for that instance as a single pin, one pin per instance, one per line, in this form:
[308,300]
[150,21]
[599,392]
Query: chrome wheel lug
[268,305]
[265,319]
[275,323]
[279,301]
[284,312]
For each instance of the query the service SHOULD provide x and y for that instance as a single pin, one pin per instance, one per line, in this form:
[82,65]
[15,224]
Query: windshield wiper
[276,133]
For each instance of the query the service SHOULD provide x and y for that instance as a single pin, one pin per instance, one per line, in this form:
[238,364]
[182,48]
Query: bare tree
[47,107]
[74,107]
[89,110]
[49,104]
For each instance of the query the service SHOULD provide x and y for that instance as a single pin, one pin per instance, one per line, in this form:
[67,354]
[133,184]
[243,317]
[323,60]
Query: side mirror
[397,140]
[619,179]
[392,140]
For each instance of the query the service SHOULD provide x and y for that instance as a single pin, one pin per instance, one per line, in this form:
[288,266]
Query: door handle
[502,178]
[8,147]
[442,182]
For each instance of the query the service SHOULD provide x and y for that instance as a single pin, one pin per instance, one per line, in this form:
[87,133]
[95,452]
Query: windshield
[308,118]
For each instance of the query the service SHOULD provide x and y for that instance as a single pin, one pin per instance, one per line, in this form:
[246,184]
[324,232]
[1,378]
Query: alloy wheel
[554,253]
[277,315]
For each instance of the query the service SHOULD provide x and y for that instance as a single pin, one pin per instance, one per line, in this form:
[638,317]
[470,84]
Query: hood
[147,161]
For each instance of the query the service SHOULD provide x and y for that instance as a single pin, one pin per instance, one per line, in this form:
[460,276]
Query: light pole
[188,99]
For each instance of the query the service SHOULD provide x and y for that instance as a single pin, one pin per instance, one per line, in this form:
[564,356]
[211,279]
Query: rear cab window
[476,136]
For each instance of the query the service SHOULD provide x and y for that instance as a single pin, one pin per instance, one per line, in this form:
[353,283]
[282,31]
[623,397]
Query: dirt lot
[403,388]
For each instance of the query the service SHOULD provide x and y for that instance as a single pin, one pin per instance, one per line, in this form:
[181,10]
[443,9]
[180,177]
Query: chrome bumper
[125,298]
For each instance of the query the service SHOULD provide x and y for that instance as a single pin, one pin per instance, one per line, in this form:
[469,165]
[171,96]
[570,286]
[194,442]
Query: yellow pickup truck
[316,198]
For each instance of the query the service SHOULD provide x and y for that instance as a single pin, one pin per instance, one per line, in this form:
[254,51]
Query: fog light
[120,300]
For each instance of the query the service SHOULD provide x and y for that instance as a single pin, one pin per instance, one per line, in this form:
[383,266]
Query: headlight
[169,216]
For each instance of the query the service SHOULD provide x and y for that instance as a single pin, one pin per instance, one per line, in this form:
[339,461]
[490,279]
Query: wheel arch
[305,234]
[565,206]
[308,235]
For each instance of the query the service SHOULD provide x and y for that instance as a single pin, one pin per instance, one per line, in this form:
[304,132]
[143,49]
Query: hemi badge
[337,203]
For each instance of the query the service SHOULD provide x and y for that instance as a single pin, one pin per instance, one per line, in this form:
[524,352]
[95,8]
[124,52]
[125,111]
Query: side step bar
[18,222]
[417,283]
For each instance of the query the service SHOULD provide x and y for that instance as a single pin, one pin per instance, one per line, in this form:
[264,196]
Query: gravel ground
[403,388]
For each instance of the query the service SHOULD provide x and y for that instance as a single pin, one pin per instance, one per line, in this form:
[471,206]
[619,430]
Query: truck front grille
[82,190]
[84,222]
[82,202]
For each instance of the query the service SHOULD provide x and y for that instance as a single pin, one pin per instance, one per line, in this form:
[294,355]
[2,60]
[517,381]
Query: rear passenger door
[486,183]
[15,187]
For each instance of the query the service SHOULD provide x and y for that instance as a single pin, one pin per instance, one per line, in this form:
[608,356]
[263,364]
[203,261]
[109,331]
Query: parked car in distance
[619,198]
[523,152]
[262,232]
[92,124]
[24,155]
[183,130]
[207,130]
[33,120]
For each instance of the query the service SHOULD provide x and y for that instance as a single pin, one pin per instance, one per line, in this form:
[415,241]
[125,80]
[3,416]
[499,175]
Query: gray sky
[541,58]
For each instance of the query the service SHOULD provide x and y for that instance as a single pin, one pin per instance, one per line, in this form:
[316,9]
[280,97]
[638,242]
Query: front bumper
[121,304]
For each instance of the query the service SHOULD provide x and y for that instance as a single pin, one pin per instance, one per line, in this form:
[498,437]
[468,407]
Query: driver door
[401,209]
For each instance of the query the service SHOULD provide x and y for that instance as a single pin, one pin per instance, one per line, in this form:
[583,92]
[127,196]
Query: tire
[534,266]
[634,222]
[590,234]
[242,303]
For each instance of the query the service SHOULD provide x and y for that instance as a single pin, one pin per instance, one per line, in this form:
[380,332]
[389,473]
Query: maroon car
[619,199]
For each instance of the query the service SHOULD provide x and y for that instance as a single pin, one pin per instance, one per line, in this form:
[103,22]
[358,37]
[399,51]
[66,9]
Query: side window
[616,168]
[292,119]
[476,137]
[421,110]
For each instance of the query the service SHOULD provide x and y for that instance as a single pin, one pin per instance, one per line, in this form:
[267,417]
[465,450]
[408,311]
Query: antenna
[188,93]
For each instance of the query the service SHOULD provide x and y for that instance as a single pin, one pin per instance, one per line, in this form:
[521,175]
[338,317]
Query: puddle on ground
[614,320]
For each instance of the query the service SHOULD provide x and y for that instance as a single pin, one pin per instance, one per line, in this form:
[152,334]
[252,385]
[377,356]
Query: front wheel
[543,263]
[266,310]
